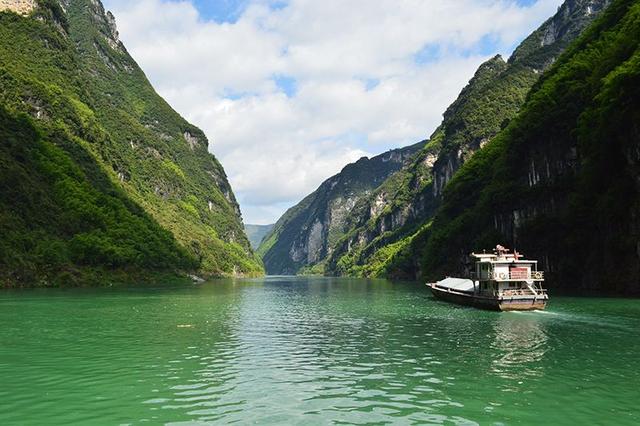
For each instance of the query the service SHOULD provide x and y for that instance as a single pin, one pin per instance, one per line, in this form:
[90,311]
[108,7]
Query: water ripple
[302,351]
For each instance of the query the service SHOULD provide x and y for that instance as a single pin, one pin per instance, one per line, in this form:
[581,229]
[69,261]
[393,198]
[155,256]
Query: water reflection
[335,358]
[520,343]
[197,381]
[310,351]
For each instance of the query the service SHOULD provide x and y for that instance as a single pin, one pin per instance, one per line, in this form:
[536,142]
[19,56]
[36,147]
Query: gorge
[103,182]
[132,290]
[398,228]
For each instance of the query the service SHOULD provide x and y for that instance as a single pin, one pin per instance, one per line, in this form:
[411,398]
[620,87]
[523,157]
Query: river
[312,351]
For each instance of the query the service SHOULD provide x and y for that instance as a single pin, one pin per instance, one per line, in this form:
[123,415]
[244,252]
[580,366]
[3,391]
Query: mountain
[386,221]
[256,233]
[562,181]
[304,235]
[101,180]
[384,218]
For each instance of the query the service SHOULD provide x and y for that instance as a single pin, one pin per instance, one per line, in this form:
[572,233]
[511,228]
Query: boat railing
[522,292]
[518,276]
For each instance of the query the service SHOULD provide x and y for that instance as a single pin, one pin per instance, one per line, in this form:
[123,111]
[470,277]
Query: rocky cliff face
[532,57]
[561,182]
[133,162]
[304,235]
[407,201]
[22,7]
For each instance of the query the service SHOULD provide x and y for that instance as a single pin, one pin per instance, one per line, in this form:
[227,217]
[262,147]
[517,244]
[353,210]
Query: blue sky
[230,10]
[221,10]
[290,92]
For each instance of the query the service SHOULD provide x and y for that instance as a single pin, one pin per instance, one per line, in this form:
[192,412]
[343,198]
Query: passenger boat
[502,281]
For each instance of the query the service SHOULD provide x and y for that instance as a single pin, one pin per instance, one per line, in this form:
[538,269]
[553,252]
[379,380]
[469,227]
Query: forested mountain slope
[385,221]
[100,178]
[304,235]
[562,181]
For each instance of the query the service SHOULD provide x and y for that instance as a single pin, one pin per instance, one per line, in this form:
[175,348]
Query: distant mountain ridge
[256,233]
[305,233]
[385,217]
[101,179]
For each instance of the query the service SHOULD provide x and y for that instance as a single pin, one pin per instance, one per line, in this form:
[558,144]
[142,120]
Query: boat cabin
[500,281]
[502,271]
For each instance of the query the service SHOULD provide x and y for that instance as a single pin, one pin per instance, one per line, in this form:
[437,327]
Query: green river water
[284,350]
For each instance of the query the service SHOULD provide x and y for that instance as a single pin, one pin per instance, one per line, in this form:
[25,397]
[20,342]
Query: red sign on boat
[519,273]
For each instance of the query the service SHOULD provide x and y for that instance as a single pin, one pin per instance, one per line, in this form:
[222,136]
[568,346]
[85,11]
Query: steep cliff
[304,235]
[562,181]
[385,222]
[99,174]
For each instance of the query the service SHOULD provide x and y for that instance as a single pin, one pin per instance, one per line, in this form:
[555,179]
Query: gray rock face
[306,233]
[379,207]
[537,53]
[191,140]
[492,98]
[22,7]
[569,19]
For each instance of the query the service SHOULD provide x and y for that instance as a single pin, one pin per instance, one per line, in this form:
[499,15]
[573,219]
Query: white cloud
[359,89]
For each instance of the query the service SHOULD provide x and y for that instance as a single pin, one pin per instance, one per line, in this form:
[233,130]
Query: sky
[290,91]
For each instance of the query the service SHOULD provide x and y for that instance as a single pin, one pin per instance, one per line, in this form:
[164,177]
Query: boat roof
[502,256]
[508,261]
[460,284]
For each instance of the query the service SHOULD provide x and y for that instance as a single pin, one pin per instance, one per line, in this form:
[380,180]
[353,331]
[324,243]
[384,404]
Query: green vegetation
[62,221]
[381,227]
[99,173]
[376,225]
[256,233]
[561,181]
[301,238]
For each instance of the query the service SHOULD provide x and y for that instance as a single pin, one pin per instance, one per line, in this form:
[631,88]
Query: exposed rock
[106,24]
[123,175]
[196,279]
[191,140]
[307,231]
[105,58]
[113,37]
[430,160]
[315,243]
[379,203]
[37,107]
[484,107]
[22,7]
[152,152]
